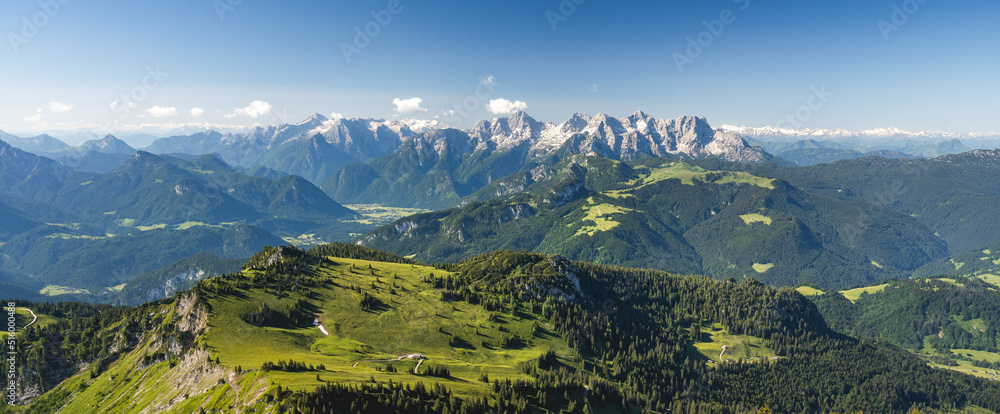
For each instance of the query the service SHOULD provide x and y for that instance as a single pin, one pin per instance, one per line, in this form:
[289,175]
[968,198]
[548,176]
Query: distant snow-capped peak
[776,133]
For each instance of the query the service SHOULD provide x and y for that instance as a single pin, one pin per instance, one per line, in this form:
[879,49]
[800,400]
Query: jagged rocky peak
[605,128]
[315,118]
[605,119]
[637,117]
[575,124]
[641,135]
[692,124]
[509,131]
[521,120]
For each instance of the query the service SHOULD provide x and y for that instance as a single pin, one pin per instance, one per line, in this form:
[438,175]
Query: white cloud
[505,107]
[197,111]
[336,115]
[33,119]
[254,110]
[406,106]
[115,104]
[488,80]
[60,107]
[594,88]
[162,112]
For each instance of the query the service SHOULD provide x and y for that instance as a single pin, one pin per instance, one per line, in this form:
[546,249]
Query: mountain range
[91,231]
[440,168]
[99,155]
[547,184]
[560,249]
[318,147]
[982,140]
[821,146]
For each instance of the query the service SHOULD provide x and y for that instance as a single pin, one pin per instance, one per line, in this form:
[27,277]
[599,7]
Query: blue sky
[933,65]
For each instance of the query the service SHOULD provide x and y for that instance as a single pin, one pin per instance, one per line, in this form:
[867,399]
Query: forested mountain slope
[954,195]
[673,216]
[505,332]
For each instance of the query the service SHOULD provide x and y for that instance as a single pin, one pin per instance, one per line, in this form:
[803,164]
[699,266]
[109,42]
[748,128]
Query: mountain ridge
[319,146]
[438,168]
[674,216]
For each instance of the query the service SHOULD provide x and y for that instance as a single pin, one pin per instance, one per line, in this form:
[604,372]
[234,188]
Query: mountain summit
[107,145]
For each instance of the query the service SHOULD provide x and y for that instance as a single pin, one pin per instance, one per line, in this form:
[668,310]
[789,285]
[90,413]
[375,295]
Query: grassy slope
[24,318]
[408,323]
[738,347]
[854,294]
[963,366]
[689,173]
[415,319]
[991,279]
[180,385]
[809,291]
[600,215]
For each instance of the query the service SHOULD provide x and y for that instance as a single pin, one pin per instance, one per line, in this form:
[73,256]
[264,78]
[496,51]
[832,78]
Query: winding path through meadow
[33,316]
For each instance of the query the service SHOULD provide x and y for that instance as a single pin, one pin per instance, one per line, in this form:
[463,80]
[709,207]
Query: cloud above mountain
[505,107]
[408,106]
[161,111]
[34,118]
[255,110]
[60,107]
